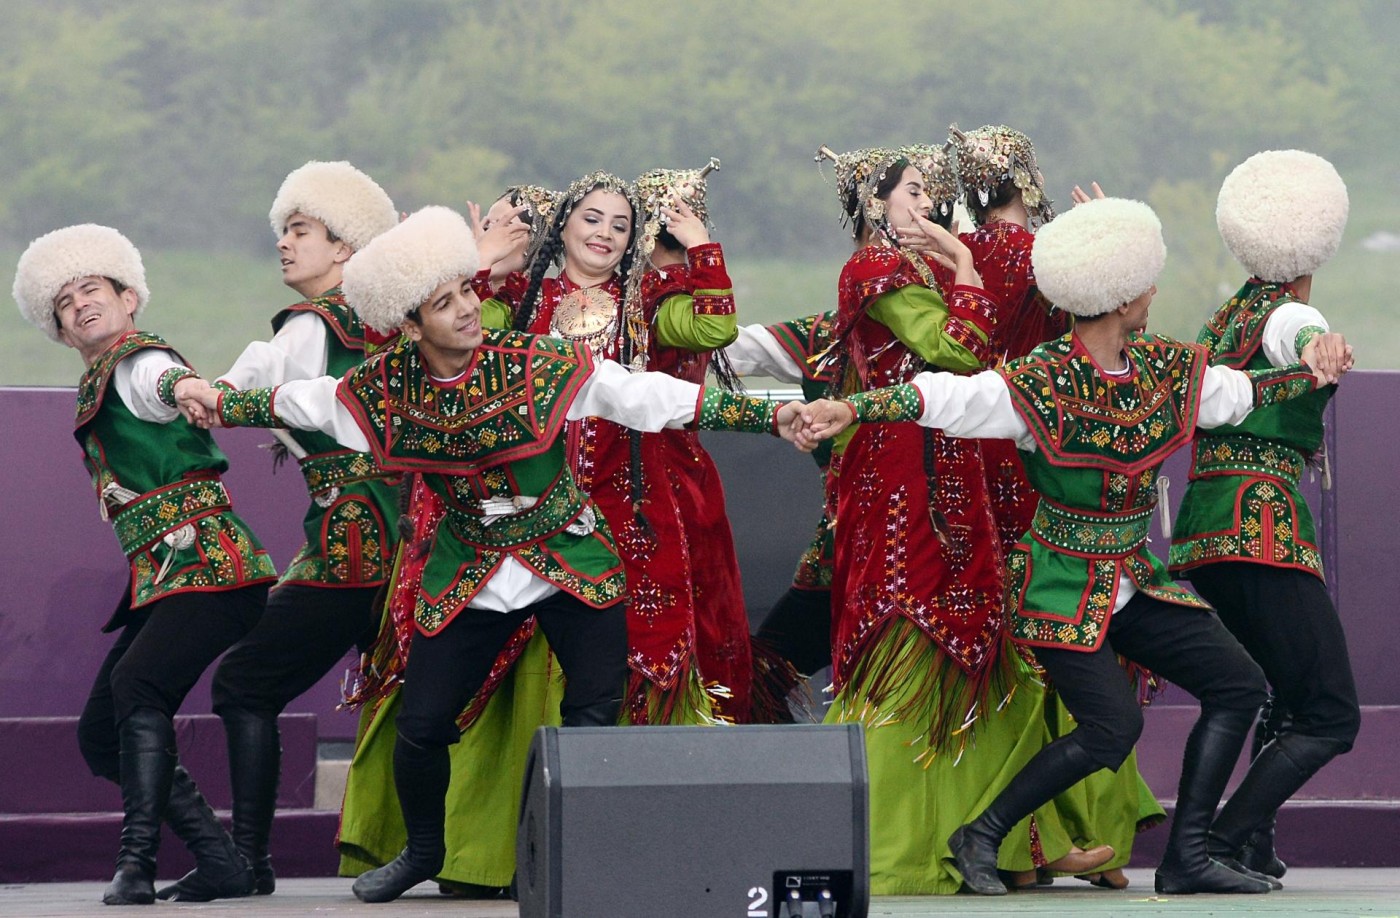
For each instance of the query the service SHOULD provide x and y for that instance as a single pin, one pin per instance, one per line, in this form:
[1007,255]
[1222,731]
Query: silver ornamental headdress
[540,206]
[939,169]
[655,190]
[565,203]
[858,174]
[992,154]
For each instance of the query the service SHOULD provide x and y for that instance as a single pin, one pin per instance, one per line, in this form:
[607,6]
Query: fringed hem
[688,703]
[904,676]
[775,680]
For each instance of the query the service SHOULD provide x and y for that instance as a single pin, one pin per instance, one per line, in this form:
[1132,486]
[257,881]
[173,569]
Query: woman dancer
[596,298]
[918,642]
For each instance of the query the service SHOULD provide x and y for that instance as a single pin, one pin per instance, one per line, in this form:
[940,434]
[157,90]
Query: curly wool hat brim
[399,269]
[67,254]
[1282,213]
[1099,256]
[348,202]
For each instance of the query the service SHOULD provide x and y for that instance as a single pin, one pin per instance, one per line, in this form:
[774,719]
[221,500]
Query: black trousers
[445,670]
[1287,622]
[1188,646]
[798,628]
[157,658]
[304,632]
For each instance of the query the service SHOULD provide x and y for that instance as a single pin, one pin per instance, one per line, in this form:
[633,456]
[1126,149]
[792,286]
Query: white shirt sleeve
[1281,331]
[311,404]
[137,381]
[297,351]
[1227,397]
[757,353]
[972,406]
[641,401]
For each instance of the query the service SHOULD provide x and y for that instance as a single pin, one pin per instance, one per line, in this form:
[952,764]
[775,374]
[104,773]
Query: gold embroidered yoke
[490,446]
[1100,443]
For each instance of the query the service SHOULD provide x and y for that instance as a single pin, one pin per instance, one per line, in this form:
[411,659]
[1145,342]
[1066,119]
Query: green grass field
[209,306]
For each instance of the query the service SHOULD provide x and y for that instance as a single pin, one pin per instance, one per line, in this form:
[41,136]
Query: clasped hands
[198,402]
[806,425]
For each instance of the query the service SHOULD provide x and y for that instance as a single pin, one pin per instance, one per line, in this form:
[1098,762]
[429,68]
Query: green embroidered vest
[179,531]
[495,435]
[1099,446]
[351,524]
[1243,501]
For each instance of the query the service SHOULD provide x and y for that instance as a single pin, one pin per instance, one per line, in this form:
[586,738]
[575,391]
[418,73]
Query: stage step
[58,822]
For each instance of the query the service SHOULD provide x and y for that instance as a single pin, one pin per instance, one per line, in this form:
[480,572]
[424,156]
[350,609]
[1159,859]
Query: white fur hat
[348,202]
[1099,255]
[67,254]
[1282,213]
[399,270]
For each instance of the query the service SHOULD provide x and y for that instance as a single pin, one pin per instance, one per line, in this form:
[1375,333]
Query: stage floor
[1308,892]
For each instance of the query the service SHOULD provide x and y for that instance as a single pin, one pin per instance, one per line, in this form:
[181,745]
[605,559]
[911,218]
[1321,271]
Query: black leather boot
[255,767]
[1279,771]
[148,761]
[220,872]
[1258,853]
[974,846]
[1211,752]
[421,776]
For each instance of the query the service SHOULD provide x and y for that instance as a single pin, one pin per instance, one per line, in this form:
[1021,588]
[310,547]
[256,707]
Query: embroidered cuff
[721,410]
[165,386]
[249,408]
[1280,384]
[712,291]
[1306,334]
[481,283]
[975,306]
[889,405]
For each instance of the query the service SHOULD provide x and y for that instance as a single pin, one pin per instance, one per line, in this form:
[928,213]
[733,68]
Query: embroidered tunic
[351,522]
[1243,502]
[1093,445]
[516,527]
[890,561]
[1002,253]
[684,594]
[157,478]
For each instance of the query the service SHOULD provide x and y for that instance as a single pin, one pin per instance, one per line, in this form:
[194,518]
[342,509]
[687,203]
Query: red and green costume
[351,522]
[1243,502]
[687,630]
[179,531]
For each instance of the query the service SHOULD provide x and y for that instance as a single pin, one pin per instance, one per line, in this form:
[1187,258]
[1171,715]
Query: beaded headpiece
[858,174]
[565,202]
[656,189]
[992,154]
[940,173]
[540,205]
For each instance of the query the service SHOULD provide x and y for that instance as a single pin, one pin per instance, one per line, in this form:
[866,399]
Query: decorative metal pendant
[587,314]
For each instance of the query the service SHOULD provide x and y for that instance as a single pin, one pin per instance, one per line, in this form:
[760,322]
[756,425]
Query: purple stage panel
[64,571]
[44,772]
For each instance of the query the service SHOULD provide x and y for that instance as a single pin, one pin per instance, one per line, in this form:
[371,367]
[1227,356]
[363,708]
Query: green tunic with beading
[351,522]
[174,468]
[494,435]
[1100,443]
[1243,501]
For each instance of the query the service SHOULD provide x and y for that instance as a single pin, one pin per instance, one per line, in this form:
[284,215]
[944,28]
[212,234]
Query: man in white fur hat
[324,602]
[1244,536]
[479,415]
[198,577]
[1095,414]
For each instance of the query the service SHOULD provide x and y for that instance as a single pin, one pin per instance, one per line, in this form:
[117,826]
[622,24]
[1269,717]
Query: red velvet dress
[1002,253]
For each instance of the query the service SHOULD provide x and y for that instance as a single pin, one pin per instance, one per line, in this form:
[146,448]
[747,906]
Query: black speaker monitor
[720,822]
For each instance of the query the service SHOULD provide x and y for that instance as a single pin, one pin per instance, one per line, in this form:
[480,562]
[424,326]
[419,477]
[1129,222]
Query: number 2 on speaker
[758,898]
